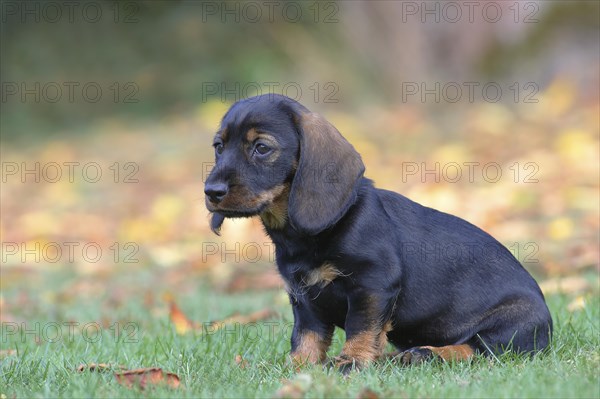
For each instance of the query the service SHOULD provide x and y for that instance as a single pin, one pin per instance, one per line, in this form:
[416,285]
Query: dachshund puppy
[371,261]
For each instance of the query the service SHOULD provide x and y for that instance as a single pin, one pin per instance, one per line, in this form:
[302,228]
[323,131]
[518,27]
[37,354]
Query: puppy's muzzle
[216,192]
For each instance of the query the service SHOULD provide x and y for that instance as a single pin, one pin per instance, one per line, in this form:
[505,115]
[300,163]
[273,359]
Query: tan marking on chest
[322,275]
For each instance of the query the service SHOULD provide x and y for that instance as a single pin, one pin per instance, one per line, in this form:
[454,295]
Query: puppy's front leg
[310,338]
[366,330]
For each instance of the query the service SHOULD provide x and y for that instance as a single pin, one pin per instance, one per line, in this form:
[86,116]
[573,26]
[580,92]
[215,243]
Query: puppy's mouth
[243,204]
[238,213]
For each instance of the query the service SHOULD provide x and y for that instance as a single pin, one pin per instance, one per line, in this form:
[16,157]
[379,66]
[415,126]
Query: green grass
[207,367]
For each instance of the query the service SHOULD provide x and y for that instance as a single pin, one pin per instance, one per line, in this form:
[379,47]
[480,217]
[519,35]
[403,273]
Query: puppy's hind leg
[421,354]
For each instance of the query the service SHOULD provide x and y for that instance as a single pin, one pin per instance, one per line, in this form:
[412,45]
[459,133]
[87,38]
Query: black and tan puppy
[370,261]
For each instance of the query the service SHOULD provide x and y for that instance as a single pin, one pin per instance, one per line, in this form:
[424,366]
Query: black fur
[438,279]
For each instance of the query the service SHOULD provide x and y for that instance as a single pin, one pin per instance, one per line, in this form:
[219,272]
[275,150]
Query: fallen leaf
[367,393]
[561,228]
[576,145]
[167,207]
[183,324]
[178,318]
[7,352]
[240,361]
[294,389]
[147,376]
[289,391]
[559,96]
[566,285]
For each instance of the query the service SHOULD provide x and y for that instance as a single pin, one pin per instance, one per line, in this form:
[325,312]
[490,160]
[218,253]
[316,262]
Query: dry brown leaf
[566,285]
[147,376]
[180,320]
[289,391]
[294,389]
[182,323]
[367,393]
[240,361]
[7,352]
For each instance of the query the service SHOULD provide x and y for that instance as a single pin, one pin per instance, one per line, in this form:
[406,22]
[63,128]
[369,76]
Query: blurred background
[487,110]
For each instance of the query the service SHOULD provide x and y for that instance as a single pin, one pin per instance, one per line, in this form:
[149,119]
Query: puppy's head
[276,159]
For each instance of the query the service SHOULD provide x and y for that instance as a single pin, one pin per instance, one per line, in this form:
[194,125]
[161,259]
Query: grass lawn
[152,227]
[31,366]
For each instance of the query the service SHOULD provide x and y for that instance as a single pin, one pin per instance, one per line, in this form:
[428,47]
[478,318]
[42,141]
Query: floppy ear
[326,180]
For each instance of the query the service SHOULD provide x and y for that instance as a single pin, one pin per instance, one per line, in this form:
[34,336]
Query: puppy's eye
[262,149]
[218,148]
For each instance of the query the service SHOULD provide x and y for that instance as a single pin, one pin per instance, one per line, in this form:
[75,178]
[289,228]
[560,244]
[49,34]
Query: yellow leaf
[577,304]
[139,230]
[583,198]
[167,208]
[57,151]
[62,192]
[40,223]
[451,153]
[560,228]
[576,145]
[559,96]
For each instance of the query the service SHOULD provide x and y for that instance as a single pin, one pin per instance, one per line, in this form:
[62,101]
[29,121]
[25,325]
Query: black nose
[216,192]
